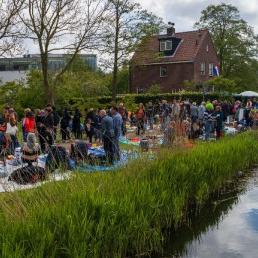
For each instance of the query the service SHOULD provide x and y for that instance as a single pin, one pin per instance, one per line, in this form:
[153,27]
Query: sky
[184,13]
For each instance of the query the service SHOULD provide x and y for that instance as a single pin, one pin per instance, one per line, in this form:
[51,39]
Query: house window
[207,48]
[139,90]
[163,71]
[165,45]
[203,68]
[211,69]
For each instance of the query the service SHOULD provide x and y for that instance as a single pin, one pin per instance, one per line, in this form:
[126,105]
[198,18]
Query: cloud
[186,12]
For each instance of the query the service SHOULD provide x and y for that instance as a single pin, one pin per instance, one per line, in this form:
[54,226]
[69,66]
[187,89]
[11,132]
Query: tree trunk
[48,89]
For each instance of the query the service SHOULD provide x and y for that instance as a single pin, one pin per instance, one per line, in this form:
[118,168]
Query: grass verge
[123,212]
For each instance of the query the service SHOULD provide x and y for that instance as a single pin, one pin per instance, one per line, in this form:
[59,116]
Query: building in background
[169,59]
[16,69]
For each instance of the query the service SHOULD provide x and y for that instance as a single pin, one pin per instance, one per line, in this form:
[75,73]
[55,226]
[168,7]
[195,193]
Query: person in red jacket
[29,123]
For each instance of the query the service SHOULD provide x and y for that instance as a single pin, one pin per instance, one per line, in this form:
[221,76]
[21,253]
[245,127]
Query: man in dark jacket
[107,131]
[150,113]
[56,119]
[64,125]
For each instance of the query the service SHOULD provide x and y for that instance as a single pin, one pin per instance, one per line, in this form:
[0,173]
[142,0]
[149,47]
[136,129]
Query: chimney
[171,29]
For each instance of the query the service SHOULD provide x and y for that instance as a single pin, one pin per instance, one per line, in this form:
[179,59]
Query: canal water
[226,227]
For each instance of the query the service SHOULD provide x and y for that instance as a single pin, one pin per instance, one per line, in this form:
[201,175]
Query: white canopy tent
[249,94]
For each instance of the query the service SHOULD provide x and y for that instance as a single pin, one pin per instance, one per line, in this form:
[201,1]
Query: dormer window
[165,45]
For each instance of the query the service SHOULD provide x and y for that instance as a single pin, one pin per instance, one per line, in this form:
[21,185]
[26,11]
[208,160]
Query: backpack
[56,157]
[79,149]
[29,174]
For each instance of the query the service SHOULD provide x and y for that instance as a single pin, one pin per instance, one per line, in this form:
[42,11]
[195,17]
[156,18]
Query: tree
[123,86]
[190,85]
[32,95]
[234,40]
[62,25]
[123,31]
[154,89]
[222,84]
[10,27]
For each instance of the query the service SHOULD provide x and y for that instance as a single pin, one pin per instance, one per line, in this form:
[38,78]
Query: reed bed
[119,213]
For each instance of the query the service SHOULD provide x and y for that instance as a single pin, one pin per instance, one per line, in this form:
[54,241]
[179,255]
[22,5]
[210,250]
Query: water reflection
[227,226]
[252,218]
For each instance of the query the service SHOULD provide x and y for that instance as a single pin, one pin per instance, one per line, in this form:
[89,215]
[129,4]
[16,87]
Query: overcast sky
[184,13]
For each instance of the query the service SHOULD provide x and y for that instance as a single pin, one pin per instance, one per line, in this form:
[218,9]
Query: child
[89,129]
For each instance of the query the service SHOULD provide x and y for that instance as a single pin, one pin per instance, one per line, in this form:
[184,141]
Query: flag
[216,70]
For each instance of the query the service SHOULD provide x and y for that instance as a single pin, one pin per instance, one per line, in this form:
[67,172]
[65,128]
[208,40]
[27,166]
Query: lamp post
[203,87]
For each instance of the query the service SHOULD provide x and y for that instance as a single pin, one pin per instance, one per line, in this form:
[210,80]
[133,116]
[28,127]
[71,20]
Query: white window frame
[165,45]
[163,71]
[211,66]
[202,68]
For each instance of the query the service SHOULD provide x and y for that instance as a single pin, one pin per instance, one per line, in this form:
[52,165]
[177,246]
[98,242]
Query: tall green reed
[123,212]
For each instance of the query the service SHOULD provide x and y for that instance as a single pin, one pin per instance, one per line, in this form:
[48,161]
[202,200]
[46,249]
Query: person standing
[193,112]
[76,127]
[11,131]
[219,121]
[117,123]
[164,114]
[175,111]
[150,113]
[89,130]
[24,134]
[207,119]
[48,122]
[107,131]
[96,126]
[56,119]
[124,114]
[201,110]
[64,125]
[140,114]
[29,124]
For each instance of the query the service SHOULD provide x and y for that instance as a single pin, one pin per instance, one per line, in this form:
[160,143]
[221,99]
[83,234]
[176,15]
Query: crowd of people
[107,126]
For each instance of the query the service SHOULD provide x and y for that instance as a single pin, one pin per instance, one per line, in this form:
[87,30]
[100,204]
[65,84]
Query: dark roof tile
[186,52]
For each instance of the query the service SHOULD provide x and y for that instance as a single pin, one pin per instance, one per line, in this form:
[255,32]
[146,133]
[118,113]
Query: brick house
[168,60]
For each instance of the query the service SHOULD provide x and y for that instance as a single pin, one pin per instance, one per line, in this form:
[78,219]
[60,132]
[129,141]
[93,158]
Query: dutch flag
[216,70]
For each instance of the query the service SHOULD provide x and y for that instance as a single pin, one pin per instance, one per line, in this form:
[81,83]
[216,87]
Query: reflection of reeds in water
[123,212]
[199,221]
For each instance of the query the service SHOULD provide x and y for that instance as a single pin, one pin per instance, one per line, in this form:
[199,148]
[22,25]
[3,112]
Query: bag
[97,159]
[12,130]
[79,149]
[29,174]
[56,157]
[2,128]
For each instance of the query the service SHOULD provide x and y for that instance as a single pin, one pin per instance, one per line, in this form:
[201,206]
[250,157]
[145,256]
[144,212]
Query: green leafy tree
[32,95]
[233,38]
[222,84]
[69,26]
[190,85]
[127,25]
[9,95]
[154,89]
[123,86]
[245,76]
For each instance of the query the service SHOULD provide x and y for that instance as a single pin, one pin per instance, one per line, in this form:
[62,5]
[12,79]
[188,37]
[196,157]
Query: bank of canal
[227,226]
